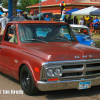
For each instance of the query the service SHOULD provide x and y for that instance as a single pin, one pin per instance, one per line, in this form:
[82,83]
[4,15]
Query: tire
[27,81]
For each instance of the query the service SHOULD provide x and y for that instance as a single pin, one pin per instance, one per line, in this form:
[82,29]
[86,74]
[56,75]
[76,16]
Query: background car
[57,17]
[82,34]
[42,16]
[14,18]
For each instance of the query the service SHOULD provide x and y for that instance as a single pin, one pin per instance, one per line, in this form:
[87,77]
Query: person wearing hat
[95,24]
[4,20]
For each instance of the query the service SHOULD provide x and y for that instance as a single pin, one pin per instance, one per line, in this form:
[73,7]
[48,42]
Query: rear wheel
[27,81]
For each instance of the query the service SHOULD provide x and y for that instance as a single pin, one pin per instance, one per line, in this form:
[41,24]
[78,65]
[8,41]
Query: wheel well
[20,69]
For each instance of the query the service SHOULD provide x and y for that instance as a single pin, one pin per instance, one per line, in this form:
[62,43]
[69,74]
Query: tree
[5,4]
[25,3]
[15,7]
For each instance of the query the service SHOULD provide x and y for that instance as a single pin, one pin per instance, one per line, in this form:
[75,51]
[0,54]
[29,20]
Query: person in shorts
[4,20]
[95,24]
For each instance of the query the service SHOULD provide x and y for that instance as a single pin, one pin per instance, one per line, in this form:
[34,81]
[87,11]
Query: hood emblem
[85,56]
[77,56]
[91,56]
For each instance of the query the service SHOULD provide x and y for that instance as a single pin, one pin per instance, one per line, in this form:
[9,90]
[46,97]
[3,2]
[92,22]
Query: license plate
[84,85]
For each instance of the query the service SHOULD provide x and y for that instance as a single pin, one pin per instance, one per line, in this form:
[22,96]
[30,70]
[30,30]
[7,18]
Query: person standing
[47,18]
[21,16]
[81,22]
[69,19]
[75,20]
[87,21]
[84,20]
[66,19]
[95,24]
[4,20]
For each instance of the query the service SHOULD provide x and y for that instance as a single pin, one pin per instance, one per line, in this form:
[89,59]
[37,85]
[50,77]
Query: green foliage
[25,3]
[5,4]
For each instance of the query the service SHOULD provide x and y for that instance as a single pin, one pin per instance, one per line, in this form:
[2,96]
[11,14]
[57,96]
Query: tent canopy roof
[95,13]
[85,11]
[72,10]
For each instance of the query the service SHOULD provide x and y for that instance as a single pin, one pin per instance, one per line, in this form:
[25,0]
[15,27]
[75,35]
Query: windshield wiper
[61,39]
[36,40]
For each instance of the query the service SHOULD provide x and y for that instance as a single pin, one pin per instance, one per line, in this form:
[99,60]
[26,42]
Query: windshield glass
[32,33]
[80,30]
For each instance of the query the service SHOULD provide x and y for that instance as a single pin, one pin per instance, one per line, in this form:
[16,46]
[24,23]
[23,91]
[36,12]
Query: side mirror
[12,26]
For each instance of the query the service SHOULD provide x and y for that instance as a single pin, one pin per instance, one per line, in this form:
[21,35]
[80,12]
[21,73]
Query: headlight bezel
[53,68]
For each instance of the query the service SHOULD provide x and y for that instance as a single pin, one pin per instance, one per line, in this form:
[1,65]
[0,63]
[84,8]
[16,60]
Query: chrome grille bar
[73,77]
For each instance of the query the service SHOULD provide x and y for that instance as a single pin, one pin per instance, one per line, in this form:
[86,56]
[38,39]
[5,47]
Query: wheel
[27,81]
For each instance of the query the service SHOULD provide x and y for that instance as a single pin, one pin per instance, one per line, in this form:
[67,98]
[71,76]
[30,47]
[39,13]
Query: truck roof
[36,22]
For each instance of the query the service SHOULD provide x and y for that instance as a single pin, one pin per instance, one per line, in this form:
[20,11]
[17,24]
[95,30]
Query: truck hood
[61,51]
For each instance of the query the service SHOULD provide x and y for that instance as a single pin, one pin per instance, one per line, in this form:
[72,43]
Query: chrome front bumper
[59,85]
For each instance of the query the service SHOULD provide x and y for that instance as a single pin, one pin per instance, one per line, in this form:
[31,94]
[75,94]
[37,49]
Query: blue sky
[43,0]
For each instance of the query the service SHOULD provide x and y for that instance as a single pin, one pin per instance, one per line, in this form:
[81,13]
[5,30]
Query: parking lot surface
[10,84]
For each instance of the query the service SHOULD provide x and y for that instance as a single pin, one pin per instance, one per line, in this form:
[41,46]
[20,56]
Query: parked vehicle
[38,54]
[57,17]
[14,18]
[42,16]
[82,34]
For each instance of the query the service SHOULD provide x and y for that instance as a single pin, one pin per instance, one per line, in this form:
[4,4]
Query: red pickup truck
[45,55]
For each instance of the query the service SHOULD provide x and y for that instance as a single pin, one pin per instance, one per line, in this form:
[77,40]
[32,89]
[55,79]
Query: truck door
[8,45]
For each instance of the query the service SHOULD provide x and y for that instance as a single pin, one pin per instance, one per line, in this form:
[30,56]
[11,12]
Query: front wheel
[27,81]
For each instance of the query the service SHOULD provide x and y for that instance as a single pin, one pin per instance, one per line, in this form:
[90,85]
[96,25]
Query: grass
[98,35]
[97,44]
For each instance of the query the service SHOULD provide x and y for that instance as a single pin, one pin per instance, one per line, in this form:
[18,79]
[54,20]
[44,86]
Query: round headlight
[57,72]
[50,72]
[92,44]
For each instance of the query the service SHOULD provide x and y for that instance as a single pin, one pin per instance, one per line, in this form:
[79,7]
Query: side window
[10,35]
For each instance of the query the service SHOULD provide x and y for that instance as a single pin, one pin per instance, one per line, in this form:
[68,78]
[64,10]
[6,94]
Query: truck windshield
[33,33]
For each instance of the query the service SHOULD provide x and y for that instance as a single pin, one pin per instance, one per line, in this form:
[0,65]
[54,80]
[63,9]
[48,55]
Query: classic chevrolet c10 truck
[38,54]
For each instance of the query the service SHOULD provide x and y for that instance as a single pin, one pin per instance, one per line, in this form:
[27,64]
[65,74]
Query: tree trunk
[15,7]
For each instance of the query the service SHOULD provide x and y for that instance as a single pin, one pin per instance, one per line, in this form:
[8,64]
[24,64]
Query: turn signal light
[53,79]
[36,69]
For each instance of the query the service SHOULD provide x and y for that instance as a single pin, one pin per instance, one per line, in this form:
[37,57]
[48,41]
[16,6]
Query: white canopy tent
[3,9]
[85,11]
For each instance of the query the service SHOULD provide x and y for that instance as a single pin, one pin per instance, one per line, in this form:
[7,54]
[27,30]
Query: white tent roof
[4,9]
[85,11]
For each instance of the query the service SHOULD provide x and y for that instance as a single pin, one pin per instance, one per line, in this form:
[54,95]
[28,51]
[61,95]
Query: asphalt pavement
[8,84]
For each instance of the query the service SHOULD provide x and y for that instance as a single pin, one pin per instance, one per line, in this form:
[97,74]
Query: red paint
[53,79]
[34,54]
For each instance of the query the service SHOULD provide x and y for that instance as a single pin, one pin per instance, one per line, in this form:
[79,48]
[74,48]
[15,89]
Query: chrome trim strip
[59,85]
[73,70]
[80,69]
[80,76]
[72,61]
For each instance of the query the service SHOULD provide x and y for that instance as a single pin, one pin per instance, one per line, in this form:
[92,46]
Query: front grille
[74,69]
[80,71]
